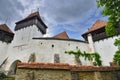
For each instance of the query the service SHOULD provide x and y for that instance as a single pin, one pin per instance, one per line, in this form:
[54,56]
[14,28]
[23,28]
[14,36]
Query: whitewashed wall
[44,51]
[106,49]
[24,35]
[3,51]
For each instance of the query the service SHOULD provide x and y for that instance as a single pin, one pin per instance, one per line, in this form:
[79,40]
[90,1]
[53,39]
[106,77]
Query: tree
[112,10]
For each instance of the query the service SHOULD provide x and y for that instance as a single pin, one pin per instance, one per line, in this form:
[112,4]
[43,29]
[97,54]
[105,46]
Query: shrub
[116,57]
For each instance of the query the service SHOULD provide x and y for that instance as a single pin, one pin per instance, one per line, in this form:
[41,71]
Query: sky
[72,16]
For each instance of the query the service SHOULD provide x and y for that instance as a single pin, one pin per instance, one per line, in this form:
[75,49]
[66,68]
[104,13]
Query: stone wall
[97,73]
[50,71]
[45,72]
[86,76]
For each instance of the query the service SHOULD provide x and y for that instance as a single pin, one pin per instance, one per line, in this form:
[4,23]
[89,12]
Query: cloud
[68,15]
[30,6]
[66,10]
[73,16]
[9,11]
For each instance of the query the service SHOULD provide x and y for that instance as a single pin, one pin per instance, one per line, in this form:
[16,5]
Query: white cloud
[58,15]
[66,10]
[30,6]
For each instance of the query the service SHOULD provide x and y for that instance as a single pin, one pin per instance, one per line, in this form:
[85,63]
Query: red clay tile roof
[44,65]
[35,65]
[5,28]
[62,35]
[97,25]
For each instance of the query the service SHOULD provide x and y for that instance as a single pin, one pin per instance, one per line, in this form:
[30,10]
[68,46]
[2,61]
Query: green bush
[2,75]
[5,77]
[116,57]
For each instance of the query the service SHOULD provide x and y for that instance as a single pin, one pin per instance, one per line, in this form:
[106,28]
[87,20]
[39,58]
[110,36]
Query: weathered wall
[3,51]
[25,35]
[106,49]
[43,71]
[102,75]
[45,49]
[46,74]
[39,74]
[49,71]
[86,76]
[23,45]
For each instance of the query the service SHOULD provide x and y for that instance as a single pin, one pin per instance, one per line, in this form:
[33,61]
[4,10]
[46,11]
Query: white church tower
[25,30]
[28,28]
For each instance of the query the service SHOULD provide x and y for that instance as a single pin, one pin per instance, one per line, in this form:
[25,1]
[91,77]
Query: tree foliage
[110,29]
[112,10]
[87,56]
[117,43]
[117,54]
[2,75]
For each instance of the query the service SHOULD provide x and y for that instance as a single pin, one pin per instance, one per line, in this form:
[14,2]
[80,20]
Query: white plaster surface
[44,51]
[3,51]
[23,45]
[106,49]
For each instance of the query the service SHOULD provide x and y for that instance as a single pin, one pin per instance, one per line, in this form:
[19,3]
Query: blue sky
[72,16]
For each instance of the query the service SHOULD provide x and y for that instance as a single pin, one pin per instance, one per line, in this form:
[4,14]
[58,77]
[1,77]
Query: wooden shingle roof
[32,15]
[5,28]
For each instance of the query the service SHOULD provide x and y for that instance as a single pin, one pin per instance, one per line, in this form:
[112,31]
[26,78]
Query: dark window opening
[52,45]
[76,47]
[56,58]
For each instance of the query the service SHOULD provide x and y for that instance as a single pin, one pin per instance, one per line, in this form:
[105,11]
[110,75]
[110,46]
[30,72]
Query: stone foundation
[50,71]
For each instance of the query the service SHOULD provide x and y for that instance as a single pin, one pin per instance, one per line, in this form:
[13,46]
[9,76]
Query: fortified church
[28,41]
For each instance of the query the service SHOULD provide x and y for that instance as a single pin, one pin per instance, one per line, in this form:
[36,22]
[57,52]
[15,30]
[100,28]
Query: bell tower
[30,27]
